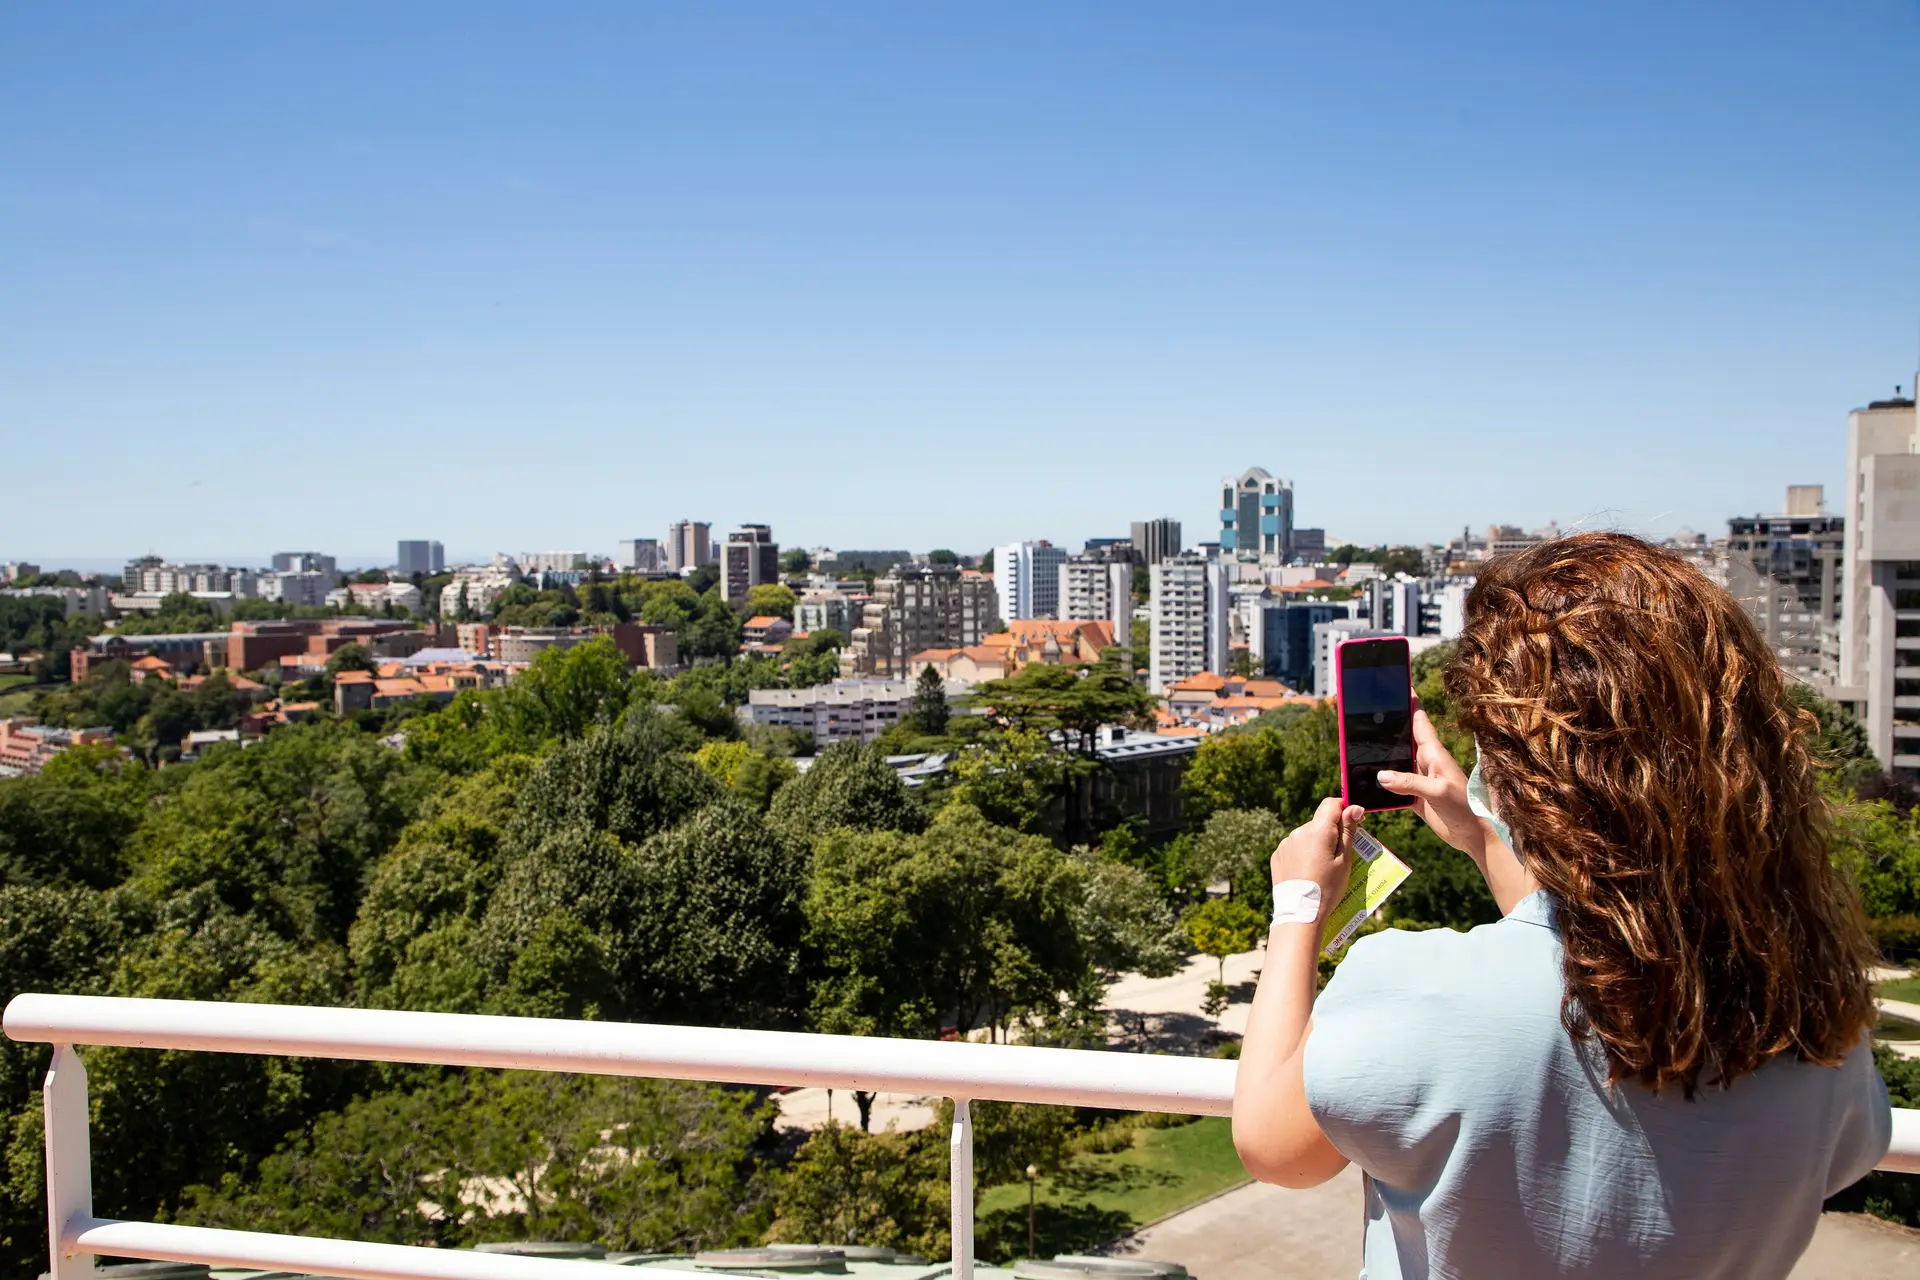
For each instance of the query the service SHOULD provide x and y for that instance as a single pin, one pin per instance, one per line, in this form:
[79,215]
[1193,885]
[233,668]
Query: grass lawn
[1900,989]
[15,696]
[1098,1197]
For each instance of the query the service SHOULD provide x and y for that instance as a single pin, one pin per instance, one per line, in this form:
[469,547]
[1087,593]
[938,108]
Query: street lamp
[1033,1181]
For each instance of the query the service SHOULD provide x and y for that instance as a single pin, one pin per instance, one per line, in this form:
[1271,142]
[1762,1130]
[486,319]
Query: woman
[1658,1063]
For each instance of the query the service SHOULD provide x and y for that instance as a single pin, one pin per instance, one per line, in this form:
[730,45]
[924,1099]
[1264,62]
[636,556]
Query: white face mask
[1480,800]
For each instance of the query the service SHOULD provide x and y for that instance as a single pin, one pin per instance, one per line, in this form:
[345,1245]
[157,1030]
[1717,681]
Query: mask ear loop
[1480,800]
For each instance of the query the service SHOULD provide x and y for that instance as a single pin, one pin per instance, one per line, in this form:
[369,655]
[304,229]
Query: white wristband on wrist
[1296,902]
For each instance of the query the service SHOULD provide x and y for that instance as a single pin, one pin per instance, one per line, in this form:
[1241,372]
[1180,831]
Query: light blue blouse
[1494,1146]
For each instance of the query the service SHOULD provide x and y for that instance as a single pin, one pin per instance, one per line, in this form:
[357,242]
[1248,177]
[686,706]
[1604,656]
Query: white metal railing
[960,1071]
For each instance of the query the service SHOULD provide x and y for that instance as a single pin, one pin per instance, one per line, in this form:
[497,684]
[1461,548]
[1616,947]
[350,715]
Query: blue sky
[521,277]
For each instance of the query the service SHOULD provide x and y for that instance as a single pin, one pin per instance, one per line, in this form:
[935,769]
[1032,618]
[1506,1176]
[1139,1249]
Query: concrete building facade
[918,607]
[1256,517]
[1878,642]
[844,711]
[1189,627]
[1027,576]
[304,562]
[1156,540]
[689,545]
[1786,570]
[1098,591]
[750,558]
[641,555]
[420,556]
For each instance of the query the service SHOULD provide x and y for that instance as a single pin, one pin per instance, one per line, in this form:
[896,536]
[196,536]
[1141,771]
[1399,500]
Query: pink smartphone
[1373,692]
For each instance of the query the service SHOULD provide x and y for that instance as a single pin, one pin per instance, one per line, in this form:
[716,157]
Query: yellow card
[1376,874]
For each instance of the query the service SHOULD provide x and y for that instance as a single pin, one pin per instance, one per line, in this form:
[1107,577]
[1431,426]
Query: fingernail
[1386,774]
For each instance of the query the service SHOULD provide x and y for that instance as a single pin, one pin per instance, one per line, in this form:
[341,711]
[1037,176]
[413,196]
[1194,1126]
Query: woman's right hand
[1438,789]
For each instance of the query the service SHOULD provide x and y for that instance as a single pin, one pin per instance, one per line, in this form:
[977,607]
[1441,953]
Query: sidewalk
[1259,1232]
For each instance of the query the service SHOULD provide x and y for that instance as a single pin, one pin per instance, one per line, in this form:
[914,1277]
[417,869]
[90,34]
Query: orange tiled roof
[401,688]
[1205,680]
[151,663]
[354,677]
[998,640]
[935,655]
[764,620]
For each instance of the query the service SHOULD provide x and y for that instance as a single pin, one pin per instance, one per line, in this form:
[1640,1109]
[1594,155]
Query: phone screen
[1376,716]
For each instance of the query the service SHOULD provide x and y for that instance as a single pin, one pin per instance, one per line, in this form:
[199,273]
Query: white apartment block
[1027,576]
[153,577]
[1189,620]
[824,611]
[1879,630]
[376,595]
[296,587]
[844,711]
[1098,591]
[549,561]
[479,586]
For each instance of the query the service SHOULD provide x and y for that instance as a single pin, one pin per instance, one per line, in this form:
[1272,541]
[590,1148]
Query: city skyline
[1028,274]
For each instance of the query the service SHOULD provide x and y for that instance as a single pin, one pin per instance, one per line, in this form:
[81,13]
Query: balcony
[961,1071]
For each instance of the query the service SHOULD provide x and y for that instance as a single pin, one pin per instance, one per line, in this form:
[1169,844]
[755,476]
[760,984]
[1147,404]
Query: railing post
[961,1175]
[63,1099]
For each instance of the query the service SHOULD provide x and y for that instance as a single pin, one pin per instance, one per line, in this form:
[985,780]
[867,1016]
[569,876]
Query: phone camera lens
[1379,717]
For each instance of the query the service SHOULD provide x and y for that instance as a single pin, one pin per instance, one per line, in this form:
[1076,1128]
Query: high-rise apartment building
[1189,619]
[641,555]
[1393,606]
[303,562]
[1879,632]
[1256,518]
[1098,591]
[689,545]
[917,607]
[1786,570]
[421,557]
[1155,540]
[1027,576]
[751,558]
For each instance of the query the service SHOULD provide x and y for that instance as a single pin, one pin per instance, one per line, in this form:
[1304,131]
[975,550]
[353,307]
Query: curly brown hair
[1636,734]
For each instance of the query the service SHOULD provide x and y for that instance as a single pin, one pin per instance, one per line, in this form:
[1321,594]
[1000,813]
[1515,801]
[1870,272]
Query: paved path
[1266,1233]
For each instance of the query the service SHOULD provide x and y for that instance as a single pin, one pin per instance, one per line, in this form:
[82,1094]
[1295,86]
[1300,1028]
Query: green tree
[928,711]
[1221,927]
[351,656]
[795,560]
[966,919]
[630,780]
[770,599]
[1013,777]
[1123,922]
[849,785]
[941,555]
[847,1186]
[1238,770]
[70,823]
[1073,701]
[1235,847]
[637,1164]
[286,829]
[750,773]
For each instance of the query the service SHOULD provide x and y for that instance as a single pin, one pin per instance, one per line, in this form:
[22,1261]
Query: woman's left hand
[1320,851]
